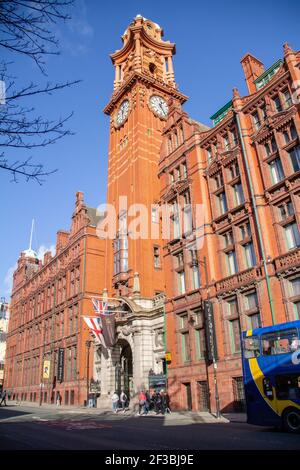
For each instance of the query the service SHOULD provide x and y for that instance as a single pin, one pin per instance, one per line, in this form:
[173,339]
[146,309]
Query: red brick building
[243,253]
[48,300]
[244,171]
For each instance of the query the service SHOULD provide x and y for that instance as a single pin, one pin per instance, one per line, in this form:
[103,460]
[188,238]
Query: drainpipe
[83,286]
[165,341]
[261,245]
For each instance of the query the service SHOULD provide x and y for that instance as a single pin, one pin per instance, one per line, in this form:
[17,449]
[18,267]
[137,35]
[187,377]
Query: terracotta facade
[244,173]
[236,188]
[47,304]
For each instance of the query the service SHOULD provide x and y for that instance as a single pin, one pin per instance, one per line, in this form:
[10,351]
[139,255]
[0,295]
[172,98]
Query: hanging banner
[46,370]
[108,324]
[210,334]
[95,326]
[60,365]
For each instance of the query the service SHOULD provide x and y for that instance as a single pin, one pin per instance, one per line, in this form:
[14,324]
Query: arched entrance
[124,369]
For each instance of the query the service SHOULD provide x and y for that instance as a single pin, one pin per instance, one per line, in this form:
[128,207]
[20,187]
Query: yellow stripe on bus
[278,406]
[249,333]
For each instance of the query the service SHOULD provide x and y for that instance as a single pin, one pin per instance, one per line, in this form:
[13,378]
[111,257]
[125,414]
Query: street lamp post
[42,367]
[212,342]
[88,346]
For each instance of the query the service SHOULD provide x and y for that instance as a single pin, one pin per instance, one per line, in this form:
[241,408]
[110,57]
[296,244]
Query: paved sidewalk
[182,417]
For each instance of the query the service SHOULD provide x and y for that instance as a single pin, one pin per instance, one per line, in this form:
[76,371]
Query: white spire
[30,241]
[30,253]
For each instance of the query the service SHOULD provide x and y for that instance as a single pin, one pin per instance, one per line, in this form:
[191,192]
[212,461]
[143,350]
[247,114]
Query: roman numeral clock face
[159,106]
[122,113]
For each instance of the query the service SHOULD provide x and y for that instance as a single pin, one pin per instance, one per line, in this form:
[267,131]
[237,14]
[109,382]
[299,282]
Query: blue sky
[211,37]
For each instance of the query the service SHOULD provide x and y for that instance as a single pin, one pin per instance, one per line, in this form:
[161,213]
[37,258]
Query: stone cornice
[276,121]
[137,76]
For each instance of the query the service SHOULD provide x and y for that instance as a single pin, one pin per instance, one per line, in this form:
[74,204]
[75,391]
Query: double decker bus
[271,369]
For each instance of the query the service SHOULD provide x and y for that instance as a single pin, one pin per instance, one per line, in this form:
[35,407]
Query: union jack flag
[100,307]
[95,325]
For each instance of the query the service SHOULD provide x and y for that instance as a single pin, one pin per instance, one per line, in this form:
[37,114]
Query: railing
[241,278]
[288,260]
[159,299]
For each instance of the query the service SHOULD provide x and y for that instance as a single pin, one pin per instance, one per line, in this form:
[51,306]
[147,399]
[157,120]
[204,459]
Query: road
[34,428]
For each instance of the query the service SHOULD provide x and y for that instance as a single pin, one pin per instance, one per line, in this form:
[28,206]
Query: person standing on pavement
[123,400]
[3,398]
[142,401]
[157,403]
[168,409]
[115,402]
[147,402]
[163,401]
[58,399]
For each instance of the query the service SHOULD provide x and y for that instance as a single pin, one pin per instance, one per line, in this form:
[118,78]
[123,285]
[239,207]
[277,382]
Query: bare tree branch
[26,28]
[30,171]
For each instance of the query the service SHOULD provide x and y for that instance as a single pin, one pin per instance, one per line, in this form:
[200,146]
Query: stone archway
[123,366]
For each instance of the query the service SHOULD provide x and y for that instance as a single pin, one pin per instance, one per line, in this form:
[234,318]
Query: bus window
[281,342]
[288,387]
[268,389]
[251,347]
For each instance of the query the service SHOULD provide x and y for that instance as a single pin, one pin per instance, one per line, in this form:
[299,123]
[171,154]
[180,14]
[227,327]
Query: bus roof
[270,329]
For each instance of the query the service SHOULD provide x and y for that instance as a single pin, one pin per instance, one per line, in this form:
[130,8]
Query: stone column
[107,377]
[143,355]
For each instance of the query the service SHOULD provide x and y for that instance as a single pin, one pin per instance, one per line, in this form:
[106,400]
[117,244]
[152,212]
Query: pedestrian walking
[3,398]
[157,403]
[163,402]
[91,400]
[147,402]
[153,401]
[168,409]
[58,399]
[142,401]
[115,402]
[123,400]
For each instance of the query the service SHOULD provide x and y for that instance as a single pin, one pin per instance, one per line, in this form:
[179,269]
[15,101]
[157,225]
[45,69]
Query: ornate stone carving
[159,338]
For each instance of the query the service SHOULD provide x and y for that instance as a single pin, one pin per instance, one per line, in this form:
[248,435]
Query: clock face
[122,113]
[159,106]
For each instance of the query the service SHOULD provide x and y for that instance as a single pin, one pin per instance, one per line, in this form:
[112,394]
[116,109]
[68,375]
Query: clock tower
[138,109]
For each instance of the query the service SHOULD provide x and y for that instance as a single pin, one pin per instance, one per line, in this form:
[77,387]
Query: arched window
[170,144]
[176,138]
[181,134]
[152,67]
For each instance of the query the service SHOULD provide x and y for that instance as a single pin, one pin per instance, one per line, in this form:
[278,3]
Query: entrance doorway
[239,403]
[203,396]
[188,392]
[124,369]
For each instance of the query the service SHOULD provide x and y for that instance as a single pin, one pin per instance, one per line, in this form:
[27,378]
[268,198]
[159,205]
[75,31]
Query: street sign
[168,356]
[157,381]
